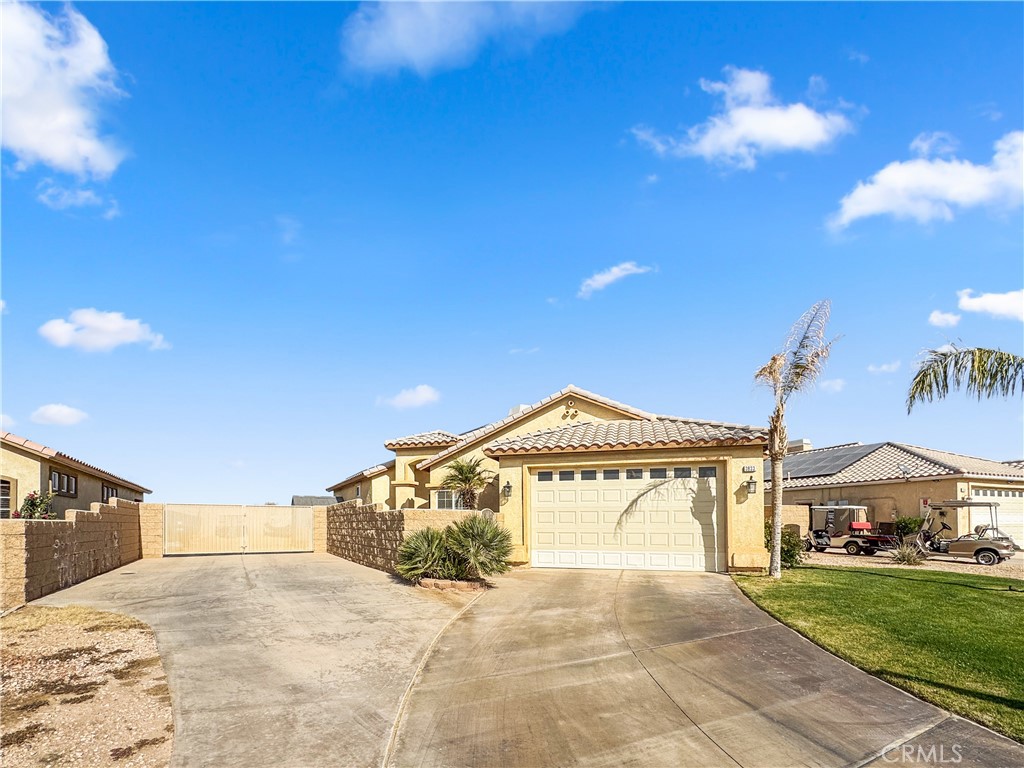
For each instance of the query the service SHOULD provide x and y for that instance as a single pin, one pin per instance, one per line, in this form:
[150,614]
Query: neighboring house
[313,501]
[569,467]
[26,467]
[898,480]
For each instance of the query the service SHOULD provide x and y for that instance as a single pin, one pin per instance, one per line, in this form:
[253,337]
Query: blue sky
[234,234]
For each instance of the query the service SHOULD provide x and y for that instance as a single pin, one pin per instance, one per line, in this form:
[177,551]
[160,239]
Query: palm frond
[978,371]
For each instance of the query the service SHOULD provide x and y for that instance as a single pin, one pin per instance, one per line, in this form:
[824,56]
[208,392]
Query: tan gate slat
[279,529]
[220,529]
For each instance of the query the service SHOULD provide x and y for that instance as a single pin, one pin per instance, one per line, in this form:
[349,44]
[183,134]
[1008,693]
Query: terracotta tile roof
[436,437]
[1016,463]
[643,433]
[850,464]
[364,474]
[477,434]
[62,458]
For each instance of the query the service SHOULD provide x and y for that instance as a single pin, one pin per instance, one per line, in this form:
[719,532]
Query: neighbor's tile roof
[49,453]
[644,433]
[1017,463]
[849,464]
[313,501]
[477,434]
[436,437]
[362,474]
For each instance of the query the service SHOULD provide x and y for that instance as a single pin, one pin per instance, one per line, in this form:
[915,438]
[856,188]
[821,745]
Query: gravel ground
[1010,569]
[82,688]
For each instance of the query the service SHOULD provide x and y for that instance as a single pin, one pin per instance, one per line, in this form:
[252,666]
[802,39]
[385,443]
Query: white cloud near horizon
[58,414]
[1005,305]
[56,74]
[884,367]
[941,319]
[59,198]
[752,123]
[6,422]
[833,386]
[601,280]
[415,397]
[930,188]
[95,331]
[427,37]
[524,351]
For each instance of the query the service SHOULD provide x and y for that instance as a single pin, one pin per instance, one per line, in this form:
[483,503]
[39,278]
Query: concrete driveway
[276,660]
[600,668]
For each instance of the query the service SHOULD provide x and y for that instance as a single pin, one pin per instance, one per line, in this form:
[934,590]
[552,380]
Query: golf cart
[860,538]
[987,544]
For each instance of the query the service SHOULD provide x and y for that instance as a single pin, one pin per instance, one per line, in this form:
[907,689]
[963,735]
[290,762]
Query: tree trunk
[777,444]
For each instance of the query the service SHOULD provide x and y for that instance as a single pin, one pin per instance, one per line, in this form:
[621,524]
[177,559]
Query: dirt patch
[1008,569]
[65,672]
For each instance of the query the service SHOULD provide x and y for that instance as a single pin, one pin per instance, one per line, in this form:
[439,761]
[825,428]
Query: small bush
[468,549]
[792,545]
[908,554]
[37,506]
[907,526]
[421,554]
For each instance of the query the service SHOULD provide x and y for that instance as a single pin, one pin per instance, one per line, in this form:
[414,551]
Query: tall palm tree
[982,372]
[793,369]
[467,479]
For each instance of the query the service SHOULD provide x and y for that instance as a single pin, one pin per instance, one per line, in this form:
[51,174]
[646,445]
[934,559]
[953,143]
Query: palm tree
[982,372]
[467,479]
[793,369]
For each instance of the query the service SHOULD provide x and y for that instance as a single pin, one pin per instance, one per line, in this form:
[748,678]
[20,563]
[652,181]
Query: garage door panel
[590,539]
[545,497]
[545,518]
[588,496]
[589,517]
[567,517]
[657,516]
[612,496]
[567,497]
[657,540]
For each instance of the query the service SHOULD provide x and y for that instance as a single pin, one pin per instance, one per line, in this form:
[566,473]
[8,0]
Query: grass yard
[953,639]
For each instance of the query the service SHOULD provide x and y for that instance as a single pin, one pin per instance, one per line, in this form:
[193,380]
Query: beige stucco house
[27,467]
[897,480]
[583,481]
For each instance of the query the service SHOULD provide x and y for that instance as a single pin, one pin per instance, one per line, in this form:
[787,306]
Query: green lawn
[951,639]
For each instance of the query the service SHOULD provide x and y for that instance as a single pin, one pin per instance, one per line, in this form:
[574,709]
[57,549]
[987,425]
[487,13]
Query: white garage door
[578,520]
[1011,511]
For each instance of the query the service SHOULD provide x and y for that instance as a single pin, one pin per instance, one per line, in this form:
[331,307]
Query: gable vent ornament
[571,412]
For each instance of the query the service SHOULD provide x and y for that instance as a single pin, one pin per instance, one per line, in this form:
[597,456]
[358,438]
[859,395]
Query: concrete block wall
[151,522]
[795,516]
[43,556]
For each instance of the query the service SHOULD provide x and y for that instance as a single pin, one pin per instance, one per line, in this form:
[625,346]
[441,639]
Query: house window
[707,472]
[63,484]
[634,474]
[448,500]
[659,474]
[359,492]
[545,477]
[611,474]
[5,498]
[109,492]
[588,474]
[681,473]
[567,474]
[73,485]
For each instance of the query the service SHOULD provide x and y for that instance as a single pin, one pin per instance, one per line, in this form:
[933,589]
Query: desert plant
[466,479]
[982,372]
[792,551]
[908,553]
[907,526]
[792,370]
[421,554]
[37,506]
[482,543]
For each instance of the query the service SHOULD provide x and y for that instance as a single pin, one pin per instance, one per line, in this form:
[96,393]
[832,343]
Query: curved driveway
[608,668]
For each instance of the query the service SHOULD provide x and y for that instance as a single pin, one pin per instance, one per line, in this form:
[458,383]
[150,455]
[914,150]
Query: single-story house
[898,480]
[583,481]
[27,467]
[313,501]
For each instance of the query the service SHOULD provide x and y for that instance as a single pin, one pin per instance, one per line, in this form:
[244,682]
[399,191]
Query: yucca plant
[908,553]
[421,555]
[982,372]
[466,479]
[482,543]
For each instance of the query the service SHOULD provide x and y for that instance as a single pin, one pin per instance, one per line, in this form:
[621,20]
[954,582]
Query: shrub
[792,545]
[36,506]
[908,554]
[907,526]
[468,549]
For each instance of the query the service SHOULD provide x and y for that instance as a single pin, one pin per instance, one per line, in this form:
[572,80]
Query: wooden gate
[222,529]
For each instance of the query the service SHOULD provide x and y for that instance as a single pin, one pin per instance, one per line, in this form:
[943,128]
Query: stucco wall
[43,556]
[795,516]
[374,490]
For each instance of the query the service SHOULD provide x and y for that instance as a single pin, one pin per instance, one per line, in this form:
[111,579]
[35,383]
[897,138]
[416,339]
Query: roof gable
[45,452]
[435,438]
[364,474]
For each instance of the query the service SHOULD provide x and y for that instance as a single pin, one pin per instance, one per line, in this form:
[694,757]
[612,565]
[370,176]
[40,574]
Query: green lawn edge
[999,704]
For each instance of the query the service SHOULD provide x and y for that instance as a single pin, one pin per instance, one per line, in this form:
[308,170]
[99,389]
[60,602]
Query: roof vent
[515,410]
[798,446]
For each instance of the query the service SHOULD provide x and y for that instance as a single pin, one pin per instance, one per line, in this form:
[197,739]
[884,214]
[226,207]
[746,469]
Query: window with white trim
[707,472]
[567,474]
[634,474]
[545,477]
[109,492]
[63,484]
[659,473]
[447,500]
[681,473]
[5,498]
[588,474]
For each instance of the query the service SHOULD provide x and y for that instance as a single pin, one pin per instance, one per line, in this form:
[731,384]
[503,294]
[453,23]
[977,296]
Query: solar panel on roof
[823,463]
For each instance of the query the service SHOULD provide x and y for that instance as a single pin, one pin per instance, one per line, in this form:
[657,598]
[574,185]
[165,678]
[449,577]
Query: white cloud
[289,227]
[420,395]
[943,319]
[59,414]
[59,198]
[1009,305]
[859,56]
[651,178]
[96,331]
[933,144]
[3,307]
[426,37]
[601,280]
[833,386]
[56,72]
[884,367]
[6,422]
[524,351]
[752,123]
[926,189]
